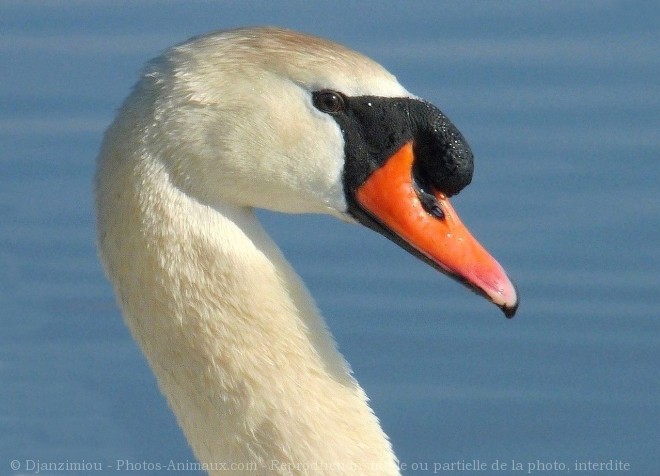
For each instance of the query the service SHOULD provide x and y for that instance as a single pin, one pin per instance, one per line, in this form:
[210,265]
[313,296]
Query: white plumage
[215,127]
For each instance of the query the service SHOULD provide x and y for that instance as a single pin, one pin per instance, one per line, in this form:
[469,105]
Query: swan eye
[328,101]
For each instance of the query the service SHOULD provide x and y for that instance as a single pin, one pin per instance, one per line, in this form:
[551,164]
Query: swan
[269,118]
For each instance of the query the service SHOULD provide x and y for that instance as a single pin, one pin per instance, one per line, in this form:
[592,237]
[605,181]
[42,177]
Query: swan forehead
[312,63]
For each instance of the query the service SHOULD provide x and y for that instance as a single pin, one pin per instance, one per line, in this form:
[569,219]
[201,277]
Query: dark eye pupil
[328,101]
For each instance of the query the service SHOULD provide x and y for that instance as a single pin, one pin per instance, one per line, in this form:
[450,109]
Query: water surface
[560,102]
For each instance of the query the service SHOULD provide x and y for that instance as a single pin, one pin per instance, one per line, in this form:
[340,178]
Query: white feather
[215,127]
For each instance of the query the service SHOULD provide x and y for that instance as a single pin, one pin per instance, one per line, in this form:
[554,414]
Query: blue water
[560,102]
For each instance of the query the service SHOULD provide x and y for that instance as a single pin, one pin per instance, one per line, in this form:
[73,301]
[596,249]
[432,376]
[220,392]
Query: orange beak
[390,196]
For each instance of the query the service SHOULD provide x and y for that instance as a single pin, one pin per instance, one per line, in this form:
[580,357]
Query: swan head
[270,118]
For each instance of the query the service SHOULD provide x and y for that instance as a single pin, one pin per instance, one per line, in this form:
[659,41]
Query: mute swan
[270,118]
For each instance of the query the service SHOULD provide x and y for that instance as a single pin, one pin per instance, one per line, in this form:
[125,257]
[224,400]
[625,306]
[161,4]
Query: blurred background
[560,102]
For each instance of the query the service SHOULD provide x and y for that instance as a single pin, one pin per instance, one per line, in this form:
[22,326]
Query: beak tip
[510,307]
[509,311]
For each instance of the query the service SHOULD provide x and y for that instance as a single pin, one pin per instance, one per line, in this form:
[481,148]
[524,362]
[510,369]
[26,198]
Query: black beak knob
[443,156]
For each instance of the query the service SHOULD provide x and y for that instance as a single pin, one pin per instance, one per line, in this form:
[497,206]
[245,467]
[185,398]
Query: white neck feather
[234,338]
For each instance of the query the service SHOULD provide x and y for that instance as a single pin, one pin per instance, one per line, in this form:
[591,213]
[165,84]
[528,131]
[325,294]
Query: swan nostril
[426,198]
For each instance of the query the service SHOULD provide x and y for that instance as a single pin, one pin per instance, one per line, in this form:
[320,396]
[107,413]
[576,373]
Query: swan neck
[232,335]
